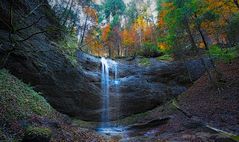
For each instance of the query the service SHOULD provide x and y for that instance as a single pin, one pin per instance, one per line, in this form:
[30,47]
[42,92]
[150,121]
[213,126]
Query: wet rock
[76,91]
[141,88]
[39,62]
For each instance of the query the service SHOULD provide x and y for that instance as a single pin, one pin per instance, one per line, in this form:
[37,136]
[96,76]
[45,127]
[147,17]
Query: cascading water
[106,82]
[105,92]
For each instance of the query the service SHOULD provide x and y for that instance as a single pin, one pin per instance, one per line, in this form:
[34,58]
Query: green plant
[19,100]
[69,46]
[165,57]
[144,62]
[225,54]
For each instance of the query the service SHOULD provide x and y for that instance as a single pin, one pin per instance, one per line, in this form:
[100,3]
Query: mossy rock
[37,134]
[144,62]
[19,100]
[18,103]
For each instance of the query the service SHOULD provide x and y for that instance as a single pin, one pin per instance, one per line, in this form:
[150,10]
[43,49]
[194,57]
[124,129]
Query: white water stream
[106,82]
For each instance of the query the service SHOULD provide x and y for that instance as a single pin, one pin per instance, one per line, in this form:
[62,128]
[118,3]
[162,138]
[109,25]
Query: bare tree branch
[41,4]
[34,23]
[32,36]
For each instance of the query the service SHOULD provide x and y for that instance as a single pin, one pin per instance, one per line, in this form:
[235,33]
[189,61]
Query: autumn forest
[117,29]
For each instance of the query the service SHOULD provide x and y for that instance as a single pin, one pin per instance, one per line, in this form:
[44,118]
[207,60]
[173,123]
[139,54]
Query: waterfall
[105,92]
[106,82]
[116,81]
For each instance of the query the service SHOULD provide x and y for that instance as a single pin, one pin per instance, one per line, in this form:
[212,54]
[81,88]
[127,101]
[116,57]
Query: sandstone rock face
[77,91]
[39,62]
[142,88]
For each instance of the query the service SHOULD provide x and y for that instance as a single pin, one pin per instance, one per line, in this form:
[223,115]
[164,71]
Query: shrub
[225,54]
[149,50]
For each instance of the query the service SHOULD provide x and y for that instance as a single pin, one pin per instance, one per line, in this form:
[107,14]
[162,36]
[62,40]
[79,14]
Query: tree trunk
[67,15]
[109,50]
[203,38]
[84,30]
[190,34]
[63,13]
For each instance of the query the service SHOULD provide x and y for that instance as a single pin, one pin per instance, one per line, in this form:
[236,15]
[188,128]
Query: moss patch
[38,131]
[165,57]
[20,105]
[19,100]
[69,47]
[144,62]
[85,124]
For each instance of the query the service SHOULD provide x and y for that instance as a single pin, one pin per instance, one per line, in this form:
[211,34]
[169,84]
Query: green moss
[236,138]
[18,100]
[134,118]
[165,57]
[39,131]
[85,124]
[144,62]
[69,46]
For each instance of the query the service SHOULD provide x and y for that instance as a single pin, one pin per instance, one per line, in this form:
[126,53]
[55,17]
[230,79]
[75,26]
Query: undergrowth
[224,54]
[19,102]
[69,46]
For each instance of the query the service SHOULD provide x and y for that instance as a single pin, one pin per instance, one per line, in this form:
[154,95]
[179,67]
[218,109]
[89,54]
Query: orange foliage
[105,32]
[91,13]
[128,37]
[94,45]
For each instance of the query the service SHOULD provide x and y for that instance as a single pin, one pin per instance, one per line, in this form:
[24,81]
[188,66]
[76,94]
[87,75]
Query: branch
[45,31]
[41,4]
[30,25]
[32,36]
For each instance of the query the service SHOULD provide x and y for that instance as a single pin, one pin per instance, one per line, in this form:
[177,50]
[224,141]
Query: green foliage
[18,100]
[165,57]
[131,12]
[114,7]
[232,28]
[69,46]
[144,62]
[225,54]
[38,131]
[149,50]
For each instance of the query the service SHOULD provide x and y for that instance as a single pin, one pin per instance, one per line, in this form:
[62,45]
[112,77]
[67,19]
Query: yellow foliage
[163,46]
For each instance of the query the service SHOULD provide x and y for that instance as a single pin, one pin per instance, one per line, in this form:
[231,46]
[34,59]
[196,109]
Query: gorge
[53,88]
